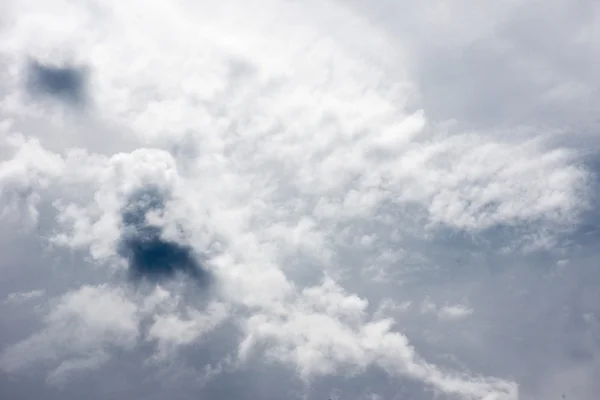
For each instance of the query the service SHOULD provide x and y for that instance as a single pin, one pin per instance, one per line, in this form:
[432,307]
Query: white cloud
[343,340]
[82,322]
[30,171]
[21,297]
[97,224]
[446,312]
[172,330]
[84,326]
[72,366]
[455,312]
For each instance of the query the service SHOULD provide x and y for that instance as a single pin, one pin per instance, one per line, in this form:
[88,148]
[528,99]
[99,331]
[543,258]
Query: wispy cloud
[21,297]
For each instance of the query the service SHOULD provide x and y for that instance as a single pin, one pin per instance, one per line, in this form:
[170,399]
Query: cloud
[455,312]
[81,328]
[85,327]
[150,255]
[311,164]
[101,221]
[65,83]
[342,340]
[77,365]
[31,169]
[21,297]
[504,72]
[171,330]
[447,312]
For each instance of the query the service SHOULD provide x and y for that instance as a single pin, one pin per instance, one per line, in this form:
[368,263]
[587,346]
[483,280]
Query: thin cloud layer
[352,218]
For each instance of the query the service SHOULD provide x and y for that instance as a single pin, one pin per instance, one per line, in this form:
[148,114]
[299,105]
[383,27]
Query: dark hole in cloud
[66,83]
[150,256]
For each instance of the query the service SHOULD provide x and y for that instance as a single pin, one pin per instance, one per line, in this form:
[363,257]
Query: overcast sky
[316,199]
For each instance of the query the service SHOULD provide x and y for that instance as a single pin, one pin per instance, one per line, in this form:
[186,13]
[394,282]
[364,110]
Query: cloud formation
[149,255]
[65,83]
[357,213]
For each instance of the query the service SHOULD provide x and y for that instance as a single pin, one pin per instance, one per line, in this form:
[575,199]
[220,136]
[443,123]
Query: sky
[328,200]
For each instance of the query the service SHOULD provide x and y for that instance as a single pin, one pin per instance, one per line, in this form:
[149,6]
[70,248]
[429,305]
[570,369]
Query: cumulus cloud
[343,340]
[85,327]
[302,163]
[81,327]
[30,170]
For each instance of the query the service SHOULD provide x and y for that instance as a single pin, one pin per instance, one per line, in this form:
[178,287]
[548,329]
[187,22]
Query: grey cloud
[66,83]
[150,256]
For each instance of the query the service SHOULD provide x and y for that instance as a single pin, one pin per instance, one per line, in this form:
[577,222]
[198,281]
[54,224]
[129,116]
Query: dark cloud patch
[150,256]
[66,83]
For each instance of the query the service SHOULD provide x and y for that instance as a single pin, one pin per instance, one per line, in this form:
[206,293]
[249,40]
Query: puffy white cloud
[84,327]
[29,171]
[344,340]
[80,329]
[97,224]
